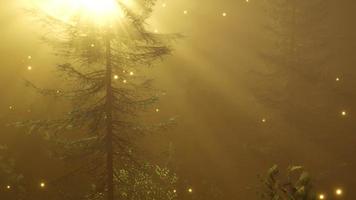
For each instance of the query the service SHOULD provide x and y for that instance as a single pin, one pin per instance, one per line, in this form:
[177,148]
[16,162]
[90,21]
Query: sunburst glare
[101,12]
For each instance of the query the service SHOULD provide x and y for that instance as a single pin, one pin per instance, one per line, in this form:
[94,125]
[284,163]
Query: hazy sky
[220,137]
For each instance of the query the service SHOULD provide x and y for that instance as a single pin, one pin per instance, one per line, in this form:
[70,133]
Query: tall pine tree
[104,79]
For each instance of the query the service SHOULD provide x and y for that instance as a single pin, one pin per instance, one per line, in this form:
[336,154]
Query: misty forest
[177,100]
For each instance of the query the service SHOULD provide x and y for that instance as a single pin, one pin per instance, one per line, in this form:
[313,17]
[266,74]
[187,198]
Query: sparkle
[29,57]
[185,12]
[343,113]
[124,81]
[92,45]
[42,184]
[58,91]
[174,191]
[11,107]
[337,79]
[8,187]
[131,73]
[338,192]
[157,109]
[116,77]
[264,120]
[190,190]
[321,196]
[29,68]
[224,14]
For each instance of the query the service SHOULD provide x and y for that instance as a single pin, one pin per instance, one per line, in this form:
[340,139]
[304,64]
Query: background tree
[294,71]
[11,182]
[105,81]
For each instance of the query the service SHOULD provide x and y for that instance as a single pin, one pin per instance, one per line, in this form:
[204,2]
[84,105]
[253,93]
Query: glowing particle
[190,190]
[247,1]
[338,192]
[174,191]
[264,120]
[92,45]
[156,30]
[185,12]
[42,184]
[157,109]
[337,79]
[343,113]
[11,107]
[224,14]
[124,81]
[321,196]
[116,77]
[58,91]
[8,187]
[131,73]
[29,57]
[29,68]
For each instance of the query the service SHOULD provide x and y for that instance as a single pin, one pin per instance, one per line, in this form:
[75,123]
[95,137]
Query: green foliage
[295,186]
[146,182]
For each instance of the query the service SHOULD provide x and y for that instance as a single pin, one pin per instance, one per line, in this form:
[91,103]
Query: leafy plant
[295,186]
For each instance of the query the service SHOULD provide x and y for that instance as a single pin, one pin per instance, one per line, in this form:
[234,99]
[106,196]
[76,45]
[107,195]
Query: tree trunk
[109,124]
[293,45]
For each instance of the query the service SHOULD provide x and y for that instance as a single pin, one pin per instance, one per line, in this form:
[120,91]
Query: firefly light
[321,196]
[343,113]
[338,192]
